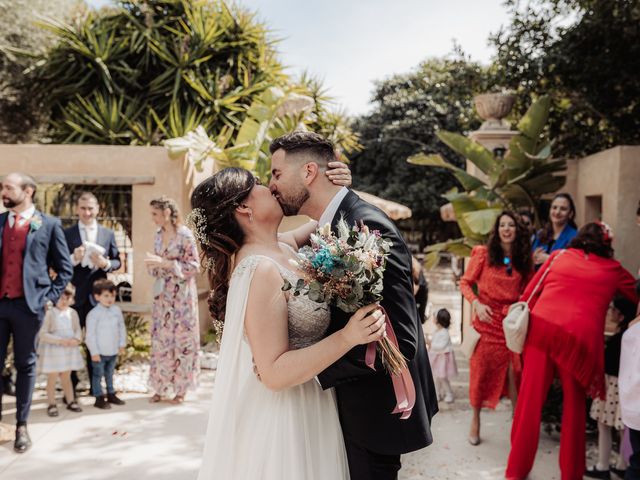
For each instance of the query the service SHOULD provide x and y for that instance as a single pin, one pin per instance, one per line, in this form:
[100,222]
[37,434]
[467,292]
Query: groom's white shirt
[332,208]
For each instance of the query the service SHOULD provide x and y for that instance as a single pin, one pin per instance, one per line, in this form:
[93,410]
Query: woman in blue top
[559,230]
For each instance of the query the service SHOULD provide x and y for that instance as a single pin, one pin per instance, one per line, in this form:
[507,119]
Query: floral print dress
[175,333]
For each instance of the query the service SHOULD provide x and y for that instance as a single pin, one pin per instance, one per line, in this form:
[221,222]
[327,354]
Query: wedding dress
[258,434]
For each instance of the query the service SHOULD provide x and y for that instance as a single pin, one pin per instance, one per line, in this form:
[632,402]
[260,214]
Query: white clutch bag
[516,323]
[470,341]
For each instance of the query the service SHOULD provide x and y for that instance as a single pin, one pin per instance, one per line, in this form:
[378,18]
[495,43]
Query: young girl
[441,356]
[607,412]
[58,350]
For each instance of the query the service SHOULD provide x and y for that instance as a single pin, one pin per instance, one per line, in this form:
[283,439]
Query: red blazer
[569,309]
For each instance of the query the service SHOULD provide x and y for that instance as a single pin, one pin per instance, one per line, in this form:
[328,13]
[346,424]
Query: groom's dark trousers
[27,253]
[374,437]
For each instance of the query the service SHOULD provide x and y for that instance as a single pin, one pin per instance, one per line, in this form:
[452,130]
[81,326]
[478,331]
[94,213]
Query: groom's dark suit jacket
[366,397]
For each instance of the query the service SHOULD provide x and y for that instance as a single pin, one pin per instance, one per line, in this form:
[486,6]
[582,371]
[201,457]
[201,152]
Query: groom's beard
[291,204]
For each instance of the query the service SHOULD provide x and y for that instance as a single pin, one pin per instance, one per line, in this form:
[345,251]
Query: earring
[250,216]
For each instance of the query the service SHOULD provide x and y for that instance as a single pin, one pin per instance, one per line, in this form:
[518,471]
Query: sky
[349,44]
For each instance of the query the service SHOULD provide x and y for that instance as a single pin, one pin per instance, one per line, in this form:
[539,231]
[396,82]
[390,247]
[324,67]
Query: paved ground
[164,442]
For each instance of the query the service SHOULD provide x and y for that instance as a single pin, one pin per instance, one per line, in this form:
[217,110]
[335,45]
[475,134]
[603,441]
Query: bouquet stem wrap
[403,387]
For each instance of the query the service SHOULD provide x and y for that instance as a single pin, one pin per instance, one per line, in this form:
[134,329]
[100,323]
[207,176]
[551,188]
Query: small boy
[106,337]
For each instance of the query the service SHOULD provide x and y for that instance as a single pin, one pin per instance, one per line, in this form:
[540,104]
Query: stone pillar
[494,134]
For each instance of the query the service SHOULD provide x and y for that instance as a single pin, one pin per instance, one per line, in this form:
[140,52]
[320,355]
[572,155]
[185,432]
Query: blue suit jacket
[83,277]
[46,248]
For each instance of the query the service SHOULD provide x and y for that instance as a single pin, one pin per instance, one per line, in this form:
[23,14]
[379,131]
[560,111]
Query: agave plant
[147,70]
[519,178]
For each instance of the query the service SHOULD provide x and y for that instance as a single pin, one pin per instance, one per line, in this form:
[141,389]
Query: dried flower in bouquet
[346,270]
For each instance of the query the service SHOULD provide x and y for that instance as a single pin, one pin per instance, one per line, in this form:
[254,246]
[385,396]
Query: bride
[282,425]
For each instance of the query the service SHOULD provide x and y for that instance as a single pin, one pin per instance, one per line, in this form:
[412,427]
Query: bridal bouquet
[346,271]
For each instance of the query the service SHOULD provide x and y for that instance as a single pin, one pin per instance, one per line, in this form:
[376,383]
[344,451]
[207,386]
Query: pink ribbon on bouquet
[403,386]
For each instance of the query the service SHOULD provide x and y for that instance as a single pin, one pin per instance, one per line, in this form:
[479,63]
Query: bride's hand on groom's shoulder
[366,325]
[339,173]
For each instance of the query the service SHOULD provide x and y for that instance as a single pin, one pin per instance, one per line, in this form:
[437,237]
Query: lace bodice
[308,320]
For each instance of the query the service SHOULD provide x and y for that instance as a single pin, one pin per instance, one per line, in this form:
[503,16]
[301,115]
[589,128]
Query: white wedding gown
[255,433]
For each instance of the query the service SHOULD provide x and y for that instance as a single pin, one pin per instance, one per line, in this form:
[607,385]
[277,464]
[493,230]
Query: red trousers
[537,376]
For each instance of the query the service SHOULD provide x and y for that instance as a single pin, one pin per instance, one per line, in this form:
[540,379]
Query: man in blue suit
[88,230]
[31,243]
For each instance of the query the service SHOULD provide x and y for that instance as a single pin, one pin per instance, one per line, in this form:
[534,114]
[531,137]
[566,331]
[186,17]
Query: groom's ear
[311,171]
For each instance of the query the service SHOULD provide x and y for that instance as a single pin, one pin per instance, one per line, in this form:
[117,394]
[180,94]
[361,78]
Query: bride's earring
[250,216]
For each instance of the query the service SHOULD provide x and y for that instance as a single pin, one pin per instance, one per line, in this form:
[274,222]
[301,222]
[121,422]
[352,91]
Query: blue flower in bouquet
[323,260]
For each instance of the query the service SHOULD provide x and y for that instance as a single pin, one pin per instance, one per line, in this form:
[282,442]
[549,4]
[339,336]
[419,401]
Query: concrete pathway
[142,441]
[164,442]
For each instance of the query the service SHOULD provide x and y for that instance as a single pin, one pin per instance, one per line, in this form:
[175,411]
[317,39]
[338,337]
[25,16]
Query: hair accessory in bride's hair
[197,221]
[210,264]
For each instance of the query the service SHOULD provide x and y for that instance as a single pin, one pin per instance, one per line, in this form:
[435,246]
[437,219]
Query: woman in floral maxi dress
[175,335]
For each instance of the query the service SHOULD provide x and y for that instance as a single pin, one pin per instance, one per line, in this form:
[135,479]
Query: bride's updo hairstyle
[212,219]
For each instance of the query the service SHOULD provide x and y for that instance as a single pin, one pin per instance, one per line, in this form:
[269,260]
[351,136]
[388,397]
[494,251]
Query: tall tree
[586,55]
[20,115]
[409,109]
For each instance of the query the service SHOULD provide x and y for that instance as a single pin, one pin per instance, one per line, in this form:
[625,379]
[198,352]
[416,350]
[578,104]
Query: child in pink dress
[441,356]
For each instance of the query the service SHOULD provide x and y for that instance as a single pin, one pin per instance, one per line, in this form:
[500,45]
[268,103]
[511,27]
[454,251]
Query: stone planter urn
[492,108]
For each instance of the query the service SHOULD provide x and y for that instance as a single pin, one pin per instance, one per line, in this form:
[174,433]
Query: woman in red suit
[499,271]
[565,336]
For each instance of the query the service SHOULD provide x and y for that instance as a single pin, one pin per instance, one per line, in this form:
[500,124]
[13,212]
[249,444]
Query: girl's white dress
[258,434]
[54,357]
[441,355]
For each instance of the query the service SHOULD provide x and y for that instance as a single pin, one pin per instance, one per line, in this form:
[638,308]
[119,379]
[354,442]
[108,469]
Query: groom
[374,437]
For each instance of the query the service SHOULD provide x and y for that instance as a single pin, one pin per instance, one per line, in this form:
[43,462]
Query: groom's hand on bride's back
[339,173]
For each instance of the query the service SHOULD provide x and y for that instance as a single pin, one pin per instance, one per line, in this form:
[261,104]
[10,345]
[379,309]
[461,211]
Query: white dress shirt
[22,217]
[629,377]
[89,233]
[332,208]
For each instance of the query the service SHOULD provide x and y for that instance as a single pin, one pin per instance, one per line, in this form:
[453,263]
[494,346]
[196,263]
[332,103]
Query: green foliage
[138,338]
[148,70]
[586,55]
[526,172]
[21,115]
[409,110]
[274,112]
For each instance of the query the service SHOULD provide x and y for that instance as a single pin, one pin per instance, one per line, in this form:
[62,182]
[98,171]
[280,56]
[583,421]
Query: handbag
[470,341]
[516,323]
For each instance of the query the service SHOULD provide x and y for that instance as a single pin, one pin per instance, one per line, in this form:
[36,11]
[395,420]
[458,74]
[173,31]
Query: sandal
[178,399]
[52,411]
[155,399]
[74,407]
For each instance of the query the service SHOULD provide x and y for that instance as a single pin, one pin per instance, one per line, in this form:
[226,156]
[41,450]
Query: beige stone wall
[150,171]
[612,175]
